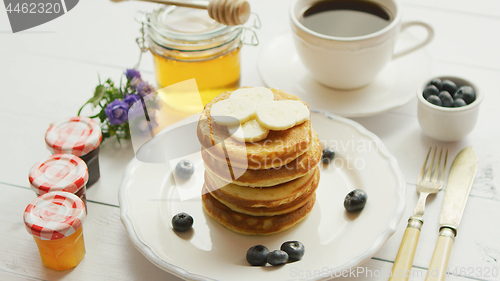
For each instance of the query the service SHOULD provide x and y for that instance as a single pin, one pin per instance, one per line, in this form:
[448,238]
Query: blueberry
[294,249]
[466,93]
[277,257]
[257,255]
[449,86]
[182,222]
[184,169]
[459,103]
[430,90]
[327,155]
[435,100]
[446,99]
[355,200]
[437,83]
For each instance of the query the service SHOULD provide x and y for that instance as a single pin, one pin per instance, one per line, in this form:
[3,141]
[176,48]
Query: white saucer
[334,239]
[280,67]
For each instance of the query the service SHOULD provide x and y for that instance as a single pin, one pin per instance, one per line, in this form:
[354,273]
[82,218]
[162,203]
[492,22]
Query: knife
[460,179]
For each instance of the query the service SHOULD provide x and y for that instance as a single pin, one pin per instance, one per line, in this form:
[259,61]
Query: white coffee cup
[350,62]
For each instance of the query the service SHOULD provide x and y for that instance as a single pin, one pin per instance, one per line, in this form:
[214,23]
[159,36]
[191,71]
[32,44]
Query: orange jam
[62,253]
[55,221]
[186,44]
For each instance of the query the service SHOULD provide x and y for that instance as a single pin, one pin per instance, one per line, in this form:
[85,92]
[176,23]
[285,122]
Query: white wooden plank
[95,31]
[476,244]
[110,254]
[400,132]
[460,37]
[68,55]
[29,147]
[55,89]
[374,270]
[16,277]
[403,136]
[480,7]
[68,38]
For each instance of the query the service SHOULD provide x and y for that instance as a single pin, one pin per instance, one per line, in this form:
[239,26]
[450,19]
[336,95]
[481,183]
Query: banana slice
[275,115]
[301,111]
[250,131]
[232,112]
[258,94]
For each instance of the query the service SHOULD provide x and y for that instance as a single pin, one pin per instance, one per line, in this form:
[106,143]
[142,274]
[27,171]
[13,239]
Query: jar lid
[76,135]
[188,29]
[54,215]
[59,172]
[183,21]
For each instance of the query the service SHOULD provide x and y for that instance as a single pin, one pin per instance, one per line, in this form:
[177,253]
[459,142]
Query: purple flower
[134,82]
[136,111]
[144,89]
[117,112]
[132,73]
[131,99]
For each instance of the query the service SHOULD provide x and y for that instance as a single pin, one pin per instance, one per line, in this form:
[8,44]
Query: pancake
[254,225]
[278,149]
[244,196]
[267,177]
[263,211]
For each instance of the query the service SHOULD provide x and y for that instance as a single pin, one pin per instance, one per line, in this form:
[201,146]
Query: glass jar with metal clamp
[186,44]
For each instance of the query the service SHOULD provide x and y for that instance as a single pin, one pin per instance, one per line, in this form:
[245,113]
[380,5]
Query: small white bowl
[448,123]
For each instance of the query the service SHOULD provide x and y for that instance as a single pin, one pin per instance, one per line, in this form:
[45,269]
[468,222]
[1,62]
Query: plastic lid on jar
[54,215]
[76,135]
[59,172]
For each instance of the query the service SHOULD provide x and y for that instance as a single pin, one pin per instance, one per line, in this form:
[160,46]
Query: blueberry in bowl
[449,94]
[446,99]
[450,114]
[466,93]
[430,90]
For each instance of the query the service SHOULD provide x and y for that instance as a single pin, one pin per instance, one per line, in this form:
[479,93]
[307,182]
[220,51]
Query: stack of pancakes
[259,187]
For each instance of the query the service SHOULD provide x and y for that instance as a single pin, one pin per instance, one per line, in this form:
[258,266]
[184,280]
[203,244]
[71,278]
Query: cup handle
[430,36]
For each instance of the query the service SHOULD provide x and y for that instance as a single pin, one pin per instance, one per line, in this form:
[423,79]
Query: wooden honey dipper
[228,12]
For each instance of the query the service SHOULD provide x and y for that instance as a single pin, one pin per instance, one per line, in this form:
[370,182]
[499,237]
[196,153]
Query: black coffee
[344,18]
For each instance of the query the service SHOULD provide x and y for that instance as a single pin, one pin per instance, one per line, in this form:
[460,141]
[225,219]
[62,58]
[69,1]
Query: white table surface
[47,72]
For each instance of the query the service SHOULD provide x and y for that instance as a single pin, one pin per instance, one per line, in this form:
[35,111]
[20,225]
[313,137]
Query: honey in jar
[186,44]
[55,221]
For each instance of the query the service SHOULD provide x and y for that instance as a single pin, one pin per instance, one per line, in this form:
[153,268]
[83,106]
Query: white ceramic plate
[280,67]
[334,239]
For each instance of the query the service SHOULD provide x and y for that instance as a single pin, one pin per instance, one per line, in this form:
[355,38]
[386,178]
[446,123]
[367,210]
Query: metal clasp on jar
[254,40]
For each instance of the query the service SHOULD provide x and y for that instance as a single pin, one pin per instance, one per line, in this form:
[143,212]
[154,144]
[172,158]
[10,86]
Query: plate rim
[147,252]
[397,105]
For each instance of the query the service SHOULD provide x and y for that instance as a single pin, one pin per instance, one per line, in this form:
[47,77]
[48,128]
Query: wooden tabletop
[49,71]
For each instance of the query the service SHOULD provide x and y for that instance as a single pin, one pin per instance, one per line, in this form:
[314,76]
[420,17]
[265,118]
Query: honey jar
[60,172]
[185,44]
[55,221]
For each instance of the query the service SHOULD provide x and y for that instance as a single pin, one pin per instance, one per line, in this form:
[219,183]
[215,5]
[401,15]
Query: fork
[430,181]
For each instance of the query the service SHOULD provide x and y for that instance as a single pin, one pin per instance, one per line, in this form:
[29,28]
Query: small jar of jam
[55,221]
[185,44]
[60,172]
[80,136]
